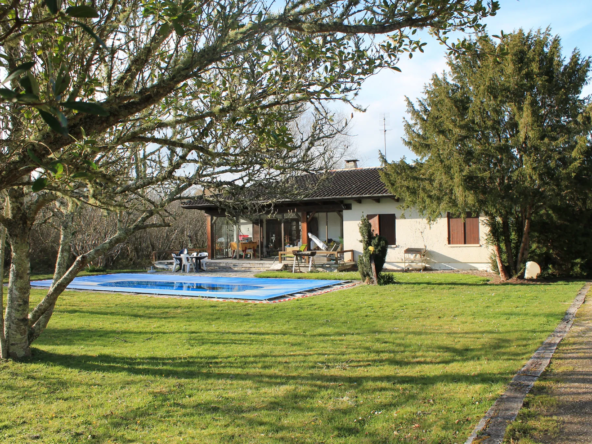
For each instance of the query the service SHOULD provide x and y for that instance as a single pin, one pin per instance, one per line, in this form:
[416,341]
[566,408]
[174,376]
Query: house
[332,212]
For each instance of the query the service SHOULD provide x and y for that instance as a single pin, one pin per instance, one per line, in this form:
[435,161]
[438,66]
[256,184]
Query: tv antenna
[385,128]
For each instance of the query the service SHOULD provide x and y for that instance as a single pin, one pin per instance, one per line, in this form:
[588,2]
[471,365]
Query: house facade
[332,213]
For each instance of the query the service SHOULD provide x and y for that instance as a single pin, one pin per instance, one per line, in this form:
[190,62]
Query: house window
[384,225]
[463,231]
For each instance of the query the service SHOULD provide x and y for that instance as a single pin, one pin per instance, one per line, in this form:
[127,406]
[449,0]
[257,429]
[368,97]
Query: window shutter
[387,224]
[373,219]
[456,231]
[472,230]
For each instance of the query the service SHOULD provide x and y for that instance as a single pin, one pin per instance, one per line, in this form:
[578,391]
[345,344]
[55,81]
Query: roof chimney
[351,163]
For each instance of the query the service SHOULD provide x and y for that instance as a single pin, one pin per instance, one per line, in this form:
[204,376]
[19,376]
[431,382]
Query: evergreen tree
[364,266]
[371,245]
[504,133]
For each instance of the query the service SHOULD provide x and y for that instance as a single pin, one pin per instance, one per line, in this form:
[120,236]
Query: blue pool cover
[199,286]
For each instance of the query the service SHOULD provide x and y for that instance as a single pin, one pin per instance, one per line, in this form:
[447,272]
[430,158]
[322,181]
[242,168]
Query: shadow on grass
[308,352]
[288,413]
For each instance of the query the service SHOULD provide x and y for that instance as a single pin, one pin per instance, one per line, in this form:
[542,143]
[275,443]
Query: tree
[504,133]
[374,248]
[137,191]
[151,98]
[144,68]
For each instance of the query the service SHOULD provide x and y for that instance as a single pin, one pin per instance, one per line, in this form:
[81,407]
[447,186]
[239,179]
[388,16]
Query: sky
[384,94]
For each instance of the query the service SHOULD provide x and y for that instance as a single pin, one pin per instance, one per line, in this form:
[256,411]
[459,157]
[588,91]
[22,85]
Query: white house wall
[246,228]
[334,223]
[413,231]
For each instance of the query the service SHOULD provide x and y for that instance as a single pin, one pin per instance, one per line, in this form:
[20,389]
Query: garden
[420,360]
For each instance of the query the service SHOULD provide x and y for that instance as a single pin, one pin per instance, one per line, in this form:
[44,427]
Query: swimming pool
[198,286]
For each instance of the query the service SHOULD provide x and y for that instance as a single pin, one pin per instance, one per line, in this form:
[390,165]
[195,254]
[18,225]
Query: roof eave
[205,206]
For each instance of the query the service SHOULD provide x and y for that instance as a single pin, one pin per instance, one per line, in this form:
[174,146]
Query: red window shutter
[374,222]
[387,224]
[456,231]
[472,230]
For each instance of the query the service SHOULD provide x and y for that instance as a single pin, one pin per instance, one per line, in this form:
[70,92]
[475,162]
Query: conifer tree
[505,133]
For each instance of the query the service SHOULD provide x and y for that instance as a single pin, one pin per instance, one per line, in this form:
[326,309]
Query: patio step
[239,265]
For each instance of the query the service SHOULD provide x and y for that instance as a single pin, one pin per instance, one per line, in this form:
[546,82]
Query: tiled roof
[340,184]
[355,182]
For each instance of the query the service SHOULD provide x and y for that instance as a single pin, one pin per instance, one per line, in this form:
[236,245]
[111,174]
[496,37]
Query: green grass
[423,278]
[345,276]
[418,361]
[535,419]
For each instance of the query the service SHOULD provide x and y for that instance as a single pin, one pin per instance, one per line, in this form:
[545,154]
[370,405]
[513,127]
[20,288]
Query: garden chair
[203,259]
[334,257]
[233,250]
[177,260]
[186,263]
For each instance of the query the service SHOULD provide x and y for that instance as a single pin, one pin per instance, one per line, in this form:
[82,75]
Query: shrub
[386,279]
[95,269]
[380,245]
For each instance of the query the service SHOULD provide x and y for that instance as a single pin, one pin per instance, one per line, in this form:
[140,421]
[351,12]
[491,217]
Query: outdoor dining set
[189,262]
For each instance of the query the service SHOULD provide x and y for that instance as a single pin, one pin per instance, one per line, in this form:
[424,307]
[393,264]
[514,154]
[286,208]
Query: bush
[387,279]
[560,243]
[95,269]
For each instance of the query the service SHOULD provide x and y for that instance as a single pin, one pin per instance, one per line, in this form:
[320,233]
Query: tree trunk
[41,314]
[236,237]
[494,230]
[3,345]
[61,268]
[500,264]
[19,286]
[373,266]
[66,235]
[523,252]
[508,244]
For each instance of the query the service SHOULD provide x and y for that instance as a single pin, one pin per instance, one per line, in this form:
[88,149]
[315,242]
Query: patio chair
[334,257]
[204,259]
[177,260]
[233,250]
[187,264]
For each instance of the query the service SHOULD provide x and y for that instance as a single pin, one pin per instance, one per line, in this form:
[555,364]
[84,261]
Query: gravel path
[508,409]
[572,369]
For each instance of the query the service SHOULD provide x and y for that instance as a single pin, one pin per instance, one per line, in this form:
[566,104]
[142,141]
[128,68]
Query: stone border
[286,298]
[492,428]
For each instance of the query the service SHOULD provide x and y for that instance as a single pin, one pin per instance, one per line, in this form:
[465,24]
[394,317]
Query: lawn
[344,276]
[417,361]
